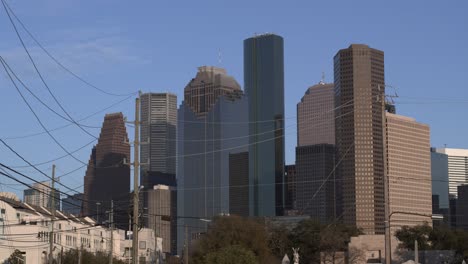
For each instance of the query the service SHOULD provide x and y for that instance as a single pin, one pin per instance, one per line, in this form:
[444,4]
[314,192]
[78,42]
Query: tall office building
[239,183]
[457,168]
[359,82]
[158,134]
[212,124]
[108,175]
[409,171]
[158,128]
[315,116]
[315,153]
[290,190]
[41,195]
[264,87]
[316,178]
[462,207]
[163,216]
[440,185]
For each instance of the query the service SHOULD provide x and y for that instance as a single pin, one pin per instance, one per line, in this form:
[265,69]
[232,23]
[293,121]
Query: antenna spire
[322,81]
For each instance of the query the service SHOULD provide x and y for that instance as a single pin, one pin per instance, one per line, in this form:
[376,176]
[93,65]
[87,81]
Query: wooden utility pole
[388,255]
[136,169]
[111,222]
[52,221]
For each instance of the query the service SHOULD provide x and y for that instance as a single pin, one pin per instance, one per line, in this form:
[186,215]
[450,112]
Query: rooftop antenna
[322,81]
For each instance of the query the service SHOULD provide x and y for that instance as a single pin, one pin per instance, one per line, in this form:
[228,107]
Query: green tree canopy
[231,255]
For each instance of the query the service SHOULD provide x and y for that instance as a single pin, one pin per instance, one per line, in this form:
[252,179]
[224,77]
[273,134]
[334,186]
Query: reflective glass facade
[212,125]
[264,87]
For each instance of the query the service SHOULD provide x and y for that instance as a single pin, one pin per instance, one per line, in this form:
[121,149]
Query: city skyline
[306,59]
[203,131]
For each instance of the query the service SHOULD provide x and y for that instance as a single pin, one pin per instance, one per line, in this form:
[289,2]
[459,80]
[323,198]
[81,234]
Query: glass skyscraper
[212,125]
[264,87]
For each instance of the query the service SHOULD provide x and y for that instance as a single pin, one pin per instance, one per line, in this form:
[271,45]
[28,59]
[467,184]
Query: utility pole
[111,222]
[186,251]
[80,254]
[388,255]
[52,221]
[136,169]
[416,253]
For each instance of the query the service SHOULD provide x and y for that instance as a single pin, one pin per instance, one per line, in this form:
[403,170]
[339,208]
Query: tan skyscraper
[163,215]
[359,73]
[315,116]
[409,171]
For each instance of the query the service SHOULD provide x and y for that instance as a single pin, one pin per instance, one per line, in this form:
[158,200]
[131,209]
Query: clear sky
[125,46]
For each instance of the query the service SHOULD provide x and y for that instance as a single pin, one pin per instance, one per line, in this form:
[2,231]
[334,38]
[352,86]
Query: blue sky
[125,46]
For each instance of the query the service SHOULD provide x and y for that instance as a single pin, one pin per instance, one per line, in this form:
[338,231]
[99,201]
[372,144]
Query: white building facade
[457,168]
[26,228]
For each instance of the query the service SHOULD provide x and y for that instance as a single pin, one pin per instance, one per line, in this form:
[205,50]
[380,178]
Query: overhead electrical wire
[9,10]
[39,73]
[42,102]
[37,117]
[67,125]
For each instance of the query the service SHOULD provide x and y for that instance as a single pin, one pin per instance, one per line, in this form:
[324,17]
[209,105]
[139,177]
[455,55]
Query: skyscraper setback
[359,82]
[107,176]
[264,87]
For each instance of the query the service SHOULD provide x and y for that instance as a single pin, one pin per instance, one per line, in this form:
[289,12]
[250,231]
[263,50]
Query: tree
[16,257]
[279,241]
[71,256]
[231,255]
[443,239]
[227,231]
[306,236]
[407,236]
[335,238]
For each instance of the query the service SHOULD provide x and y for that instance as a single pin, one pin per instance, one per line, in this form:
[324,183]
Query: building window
[142,245]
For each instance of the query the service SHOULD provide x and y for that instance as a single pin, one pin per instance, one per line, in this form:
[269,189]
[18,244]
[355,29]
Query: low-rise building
[27,228]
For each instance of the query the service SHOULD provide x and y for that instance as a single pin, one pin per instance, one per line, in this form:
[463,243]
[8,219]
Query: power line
[56,60]
[52,160]
[36,116]
[67,125]
[39,73]
[39,99]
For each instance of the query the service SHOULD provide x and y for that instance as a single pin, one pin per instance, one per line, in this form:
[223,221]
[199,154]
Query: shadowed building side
[212,123]
[107,176]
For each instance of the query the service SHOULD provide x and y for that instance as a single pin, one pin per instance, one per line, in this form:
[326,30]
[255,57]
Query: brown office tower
[315,116]
[163,216]
[315,153]
[359,83]
[107,176]
[409,171]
